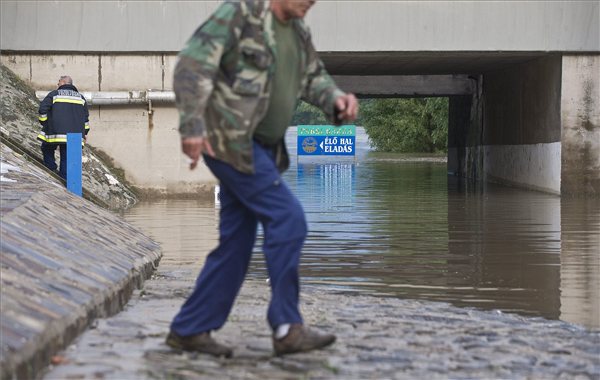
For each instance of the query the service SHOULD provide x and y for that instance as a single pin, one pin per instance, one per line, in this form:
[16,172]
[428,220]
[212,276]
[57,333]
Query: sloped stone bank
[64,262]
[19,125]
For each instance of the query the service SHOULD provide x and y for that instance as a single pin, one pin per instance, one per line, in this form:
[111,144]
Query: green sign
[326,130]
[326,140]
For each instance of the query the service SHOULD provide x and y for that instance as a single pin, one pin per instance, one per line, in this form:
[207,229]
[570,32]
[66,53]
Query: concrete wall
[580,111]
[539,126]
[147,148]
[164,26]
[95,72]
[533,166]
[521,124]
[522,103]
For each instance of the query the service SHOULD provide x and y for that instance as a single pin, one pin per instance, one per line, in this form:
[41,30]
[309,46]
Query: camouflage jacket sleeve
[198,64]
[320,89]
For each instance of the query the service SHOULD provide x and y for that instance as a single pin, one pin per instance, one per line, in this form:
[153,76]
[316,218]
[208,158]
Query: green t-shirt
[284,86]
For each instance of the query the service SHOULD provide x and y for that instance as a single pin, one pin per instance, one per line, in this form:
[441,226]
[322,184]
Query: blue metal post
[74,163]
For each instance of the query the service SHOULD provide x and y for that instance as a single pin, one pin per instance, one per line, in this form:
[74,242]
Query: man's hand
[346,107]
[193,147]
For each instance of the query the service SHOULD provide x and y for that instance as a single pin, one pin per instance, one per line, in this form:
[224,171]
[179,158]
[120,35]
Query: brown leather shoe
[200,343]
[301,339]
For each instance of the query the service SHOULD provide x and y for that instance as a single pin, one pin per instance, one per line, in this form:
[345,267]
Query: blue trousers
[50,161]
[247,200]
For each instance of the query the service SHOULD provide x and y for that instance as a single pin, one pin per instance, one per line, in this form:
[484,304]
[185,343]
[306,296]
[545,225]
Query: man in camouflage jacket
[236,84]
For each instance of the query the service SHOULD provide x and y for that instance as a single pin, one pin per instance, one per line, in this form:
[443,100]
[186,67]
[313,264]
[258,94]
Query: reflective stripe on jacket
[63,111]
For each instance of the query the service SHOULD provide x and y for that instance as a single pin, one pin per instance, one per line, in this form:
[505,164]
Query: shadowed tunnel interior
[504,116]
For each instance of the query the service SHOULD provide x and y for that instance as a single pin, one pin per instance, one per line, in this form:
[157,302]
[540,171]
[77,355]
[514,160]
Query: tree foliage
[394,125]
[406,125]
[307,114]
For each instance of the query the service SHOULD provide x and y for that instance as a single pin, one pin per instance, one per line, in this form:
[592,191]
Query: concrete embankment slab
[64,261]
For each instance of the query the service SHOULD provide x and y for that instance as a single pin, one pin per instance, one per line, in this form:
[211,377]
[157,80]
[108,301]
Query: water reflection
[405,229]
[186,229]
[505,243]
[580,261]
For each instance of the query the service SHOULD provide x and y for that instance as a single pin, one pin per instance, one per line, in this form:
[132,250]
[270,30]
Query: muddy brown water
[398,226]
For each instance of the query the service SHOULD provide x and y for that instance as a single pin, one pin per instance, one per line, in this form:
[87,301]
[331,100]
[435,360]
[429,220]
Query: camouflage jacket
[223,77]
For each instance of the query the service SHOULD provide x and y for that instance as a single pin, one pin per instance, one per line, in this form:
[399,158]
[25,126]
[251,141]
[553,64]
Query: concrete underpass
[505,115]
[522,78]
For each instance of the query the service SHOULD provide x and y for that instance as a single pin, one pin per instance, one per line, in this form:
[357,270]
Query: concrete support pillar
[465,129]
[459,110]
[580,119]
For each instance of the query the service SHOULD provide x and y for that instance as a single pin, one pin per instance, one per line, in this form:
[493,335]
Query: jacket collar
[68,87]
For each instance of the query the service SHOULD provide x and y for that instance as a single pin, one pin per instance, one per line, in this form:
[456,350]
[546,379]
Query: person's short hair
[65,79]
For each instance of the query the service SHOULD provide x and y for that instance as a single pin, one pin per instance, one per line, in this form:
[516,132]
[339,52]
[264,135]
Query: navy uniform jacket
[63,111]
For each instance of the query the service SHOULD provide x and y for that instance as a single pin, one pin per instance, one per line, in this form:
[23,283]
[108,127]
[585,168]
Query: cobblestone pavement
[378,338]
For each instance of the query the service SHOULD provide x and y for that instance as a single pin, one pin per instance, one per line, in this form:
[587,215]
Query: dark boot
[200,343]
[301,339]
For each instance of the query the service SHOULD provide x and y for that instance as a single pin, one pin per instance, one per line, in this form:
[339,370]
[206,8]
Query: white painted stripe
[536,166]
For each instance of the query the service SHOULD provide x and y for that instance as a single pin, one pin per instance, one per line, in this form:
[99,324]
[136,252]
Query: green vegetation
[307,114]
[415,125]
[406,125]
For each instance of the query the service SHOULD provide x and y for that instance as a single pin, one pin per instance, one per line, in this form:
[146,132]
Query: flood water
[396,226]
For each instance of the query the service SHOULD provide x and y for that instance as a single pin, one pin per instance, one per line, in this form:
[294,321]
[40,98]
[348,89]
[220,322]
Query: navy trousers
[247,200]
[50,161]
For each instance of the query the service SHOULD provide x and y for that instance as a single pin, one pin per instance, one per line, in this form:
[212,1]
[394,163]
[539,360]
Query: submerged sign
[326,140]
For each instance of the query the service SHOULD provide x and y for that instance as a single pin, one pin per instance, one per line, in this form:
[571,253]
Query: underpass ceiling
[423,63]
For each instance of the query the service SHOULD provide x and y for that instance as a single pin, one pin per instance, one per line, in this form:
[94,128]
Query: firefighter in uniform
[62,111]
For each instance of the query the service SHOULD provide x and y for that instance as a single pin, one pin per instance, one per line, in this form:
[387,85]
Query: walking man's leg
[208,307]
[245,200]
[268,197]
[285,229]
